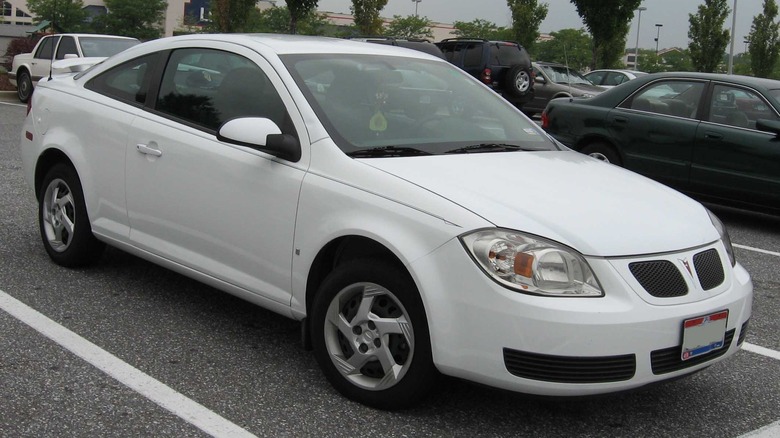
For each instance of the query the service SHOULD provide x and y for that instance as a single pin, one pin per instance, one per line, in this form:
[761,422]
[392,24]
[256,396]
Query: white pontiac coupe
[413,220]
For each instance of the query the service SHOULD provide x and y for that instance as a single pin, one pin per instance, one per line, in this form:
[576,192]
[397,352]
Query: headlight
[724,236]
[532,265]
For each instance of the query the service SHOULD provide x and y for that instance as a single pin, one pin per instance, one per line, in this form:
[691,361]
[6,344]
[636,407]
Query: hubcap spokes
[59,215]
[368,336]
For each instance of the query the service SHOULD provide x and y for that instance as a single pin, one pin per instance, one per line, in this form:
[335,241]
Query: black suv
[505,66]
[416,44]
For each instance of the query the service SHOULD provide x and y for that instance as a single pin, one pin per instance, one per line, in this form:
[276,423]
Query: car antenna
[568,74]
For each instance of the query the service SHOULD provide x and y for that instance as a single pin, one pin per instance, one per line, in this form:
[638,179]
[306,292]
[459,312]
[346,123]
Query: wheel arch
[46,161]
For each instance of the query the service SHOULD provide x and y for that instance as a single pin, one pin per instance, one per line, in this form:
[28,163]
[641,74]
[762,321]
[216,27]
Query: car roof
[91,35]
[769,84]
[283,44]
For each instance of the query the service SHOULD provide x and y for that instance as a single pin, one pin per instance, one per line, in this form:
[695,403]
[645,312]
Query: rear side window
[67,47]
[674,98]
[473,56]
[47,48]
[128,82]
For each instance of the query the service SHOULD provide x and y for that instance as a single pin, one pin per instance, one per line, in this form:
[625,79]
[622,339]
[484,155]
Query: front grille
[660,278]
[742,333]
[669,359]
[565,369]
[709,269]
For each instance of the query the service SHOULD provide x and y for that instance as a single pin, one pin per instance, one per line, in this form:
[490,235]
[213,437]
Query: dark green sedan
[715,137]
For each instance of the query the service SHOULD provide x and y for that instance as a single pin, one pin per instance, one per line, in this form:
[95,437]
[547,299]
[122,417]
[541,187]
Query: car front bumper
[557,346]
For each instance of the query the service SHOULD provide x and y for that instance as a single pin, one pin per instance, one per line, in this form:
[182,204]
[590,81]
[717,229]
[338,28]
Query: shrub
[17,46]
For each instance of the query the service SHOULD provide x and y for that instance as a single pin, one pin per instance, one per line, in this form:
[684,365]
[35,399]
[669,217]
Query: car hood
[585,88]
[597,208]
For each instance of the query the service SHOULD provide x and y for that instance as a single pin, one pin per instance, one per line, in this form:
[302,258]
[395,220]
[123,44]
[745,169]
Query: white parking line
[761,350]
[13,104]
[762,251]
[154,390]
[771,431]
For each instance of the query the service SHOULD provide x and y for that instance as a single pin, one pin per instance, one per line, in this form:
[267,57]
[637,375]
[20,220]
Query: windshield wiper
[387,151]
[488,147]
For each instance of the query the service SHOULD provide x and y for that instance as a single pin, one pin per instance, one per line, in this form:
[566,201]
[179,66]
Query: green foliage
[410,27]
[140,19]
[277,20]
[707,35]
[480,28]
[764,39]
[65,15]
[674,60]
[568,46]
[299,9]
[527,15]
[229,16]
[366,16]
[608,23]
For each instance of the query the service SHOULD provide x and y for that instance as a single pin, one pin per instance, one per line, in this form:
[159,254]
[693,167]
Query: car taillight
[545,120]
[487,76]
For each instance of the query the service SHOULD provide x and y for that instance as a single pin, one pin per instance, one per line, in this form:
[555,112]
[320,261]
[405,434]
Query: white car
[412,219]
[612,78]
[28,68]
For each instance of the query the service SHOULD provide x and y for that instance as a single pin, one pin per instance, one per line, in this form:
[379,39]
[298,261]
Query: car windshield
[105,47]
[409,106]
[564,75]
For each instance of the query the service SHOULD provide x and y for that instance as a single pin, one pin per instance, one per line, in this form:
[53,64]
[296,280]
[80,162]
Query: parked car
[28,68]
[554,81]
[504,66]
[712,136]
[612,78]
[465,241]
[415,44]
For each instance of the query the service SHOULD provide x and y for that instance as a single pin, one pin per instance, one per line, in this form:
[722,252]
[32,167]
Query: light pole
[731,50]
[636,46]
[416,2]
[657,36]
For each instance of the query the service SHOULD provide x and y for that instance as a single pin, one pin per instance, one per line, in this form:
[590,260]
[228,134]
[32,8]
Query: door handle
[146,150]
[620,119]
[713,136]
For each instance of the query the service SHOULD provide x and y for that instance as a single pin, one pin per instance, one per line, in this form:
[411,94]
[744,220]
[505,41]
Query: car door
[41,63]
[655,128]
[733,160]
[224,210]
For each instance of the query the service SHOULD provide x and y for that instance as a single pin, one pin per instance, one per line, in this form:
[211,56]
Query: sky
[672,14]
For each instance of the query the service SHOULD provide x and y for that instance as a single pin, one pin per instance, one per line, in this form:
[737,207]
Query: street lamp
[731,50]
[636,47]
[657,35]
[416,2]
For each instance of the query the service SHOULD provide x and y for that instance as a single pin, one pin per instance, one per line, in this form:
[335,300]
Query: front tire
[63,221]
[24,86]
[370,335]
[603,152]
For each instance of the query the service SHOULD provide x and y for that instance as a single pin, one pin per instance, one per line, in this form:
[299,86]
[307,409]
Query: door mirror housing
[261,134]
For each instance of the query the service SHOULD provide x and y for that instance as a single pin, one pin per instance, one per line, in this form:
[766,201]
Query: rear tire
[63,221]
[24,86]
[370,335]
[603,152]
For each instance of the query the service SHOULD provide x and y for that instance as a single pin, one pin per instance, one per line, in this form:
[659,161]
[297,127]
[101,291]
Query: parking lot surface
[127,348]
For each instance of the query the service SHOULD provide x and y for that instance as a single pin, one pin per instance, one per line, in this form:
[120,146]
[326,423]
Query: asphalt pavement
[126,348]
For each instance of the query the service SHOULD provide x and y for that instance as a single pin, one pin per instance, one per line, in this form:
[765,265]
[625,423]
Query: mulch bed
[4,84]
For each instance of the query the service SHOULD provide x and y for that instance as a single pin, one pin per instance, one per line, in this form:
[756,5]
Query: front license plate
[704,334]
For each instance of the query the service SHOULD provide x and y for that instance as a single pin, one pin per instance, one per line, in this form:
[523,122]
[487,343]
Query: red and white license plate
[704,334]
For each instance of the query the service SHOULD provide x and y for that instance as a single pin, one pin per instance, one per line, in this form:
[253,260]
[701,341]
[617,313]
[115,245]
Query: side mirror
[261,134]
[71,56]
[539,79]
[765,125]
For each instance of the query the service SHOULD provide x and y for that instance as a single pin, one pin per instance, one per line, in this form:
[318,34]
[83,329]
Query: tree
[140,19]
[527,15]
[277,20]
[298,10]
[572,47]
[410,27]
[229,16]
[764,39]
[65,15]
[480,28]
[707,35]
[366,15]
[608,22]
